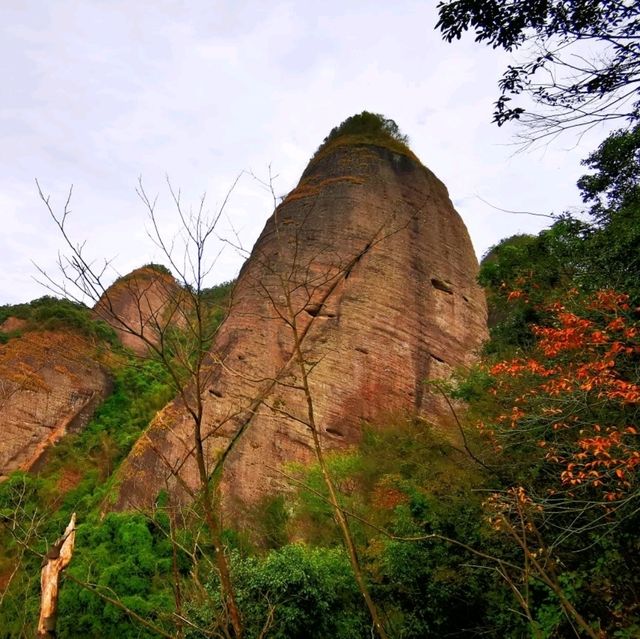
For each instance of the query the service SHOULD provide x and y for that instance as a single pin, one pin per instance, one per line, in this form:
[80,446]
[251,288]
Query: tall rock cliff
[51,381]
[369,269]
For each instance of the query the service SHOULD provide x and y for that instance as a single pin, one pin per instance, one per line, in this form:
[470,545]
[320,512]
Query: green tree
[367,123]
[615,184]
[575,86]
[295,592]
[524,272]
[613,190]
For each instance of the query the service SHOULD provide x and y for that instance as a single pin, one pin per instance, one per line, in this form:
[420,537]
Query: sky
[101,93]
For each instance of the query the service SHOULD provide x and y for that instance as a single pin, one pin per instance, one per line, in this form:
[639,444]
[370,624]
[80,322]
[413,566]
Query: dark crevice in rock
[360,349]
[215,392]
[334,432]
[438,359]
[442,285]
[315,310]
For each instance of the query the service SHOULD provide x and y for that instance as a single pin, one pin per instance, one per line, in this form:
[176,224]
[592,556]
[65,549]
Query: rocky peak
[144,300]
[369,260]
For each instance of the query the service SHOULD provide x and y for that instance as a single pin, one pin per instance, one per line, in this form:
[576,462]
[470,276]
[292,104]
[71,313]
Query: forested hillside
[336,445]
[518,519]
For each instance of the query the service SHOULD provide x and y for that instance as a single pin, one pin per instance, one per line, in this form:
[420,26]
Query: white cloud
[104,92]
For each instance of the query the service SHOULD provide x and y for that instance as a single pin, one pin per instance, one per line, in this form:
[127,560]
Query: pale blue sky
[97,92]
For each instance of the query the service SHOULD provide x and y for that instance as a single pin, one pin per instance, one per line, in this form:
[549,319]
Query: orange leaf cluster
[579,395]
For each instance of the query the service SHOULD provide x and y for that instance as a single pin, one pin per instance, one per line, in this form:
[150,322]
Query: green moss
[159,268]
[147,271]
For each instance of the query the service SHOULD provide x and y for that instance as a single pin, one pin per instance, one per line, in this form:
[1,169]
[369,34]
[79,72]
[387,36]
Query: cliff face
[51,382]
[369,262]
[49,385]
[145,301]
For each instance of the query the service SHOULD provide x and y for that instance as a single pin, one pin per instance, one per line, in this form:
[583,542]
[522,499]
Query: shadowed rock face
[372,265]
[49,385]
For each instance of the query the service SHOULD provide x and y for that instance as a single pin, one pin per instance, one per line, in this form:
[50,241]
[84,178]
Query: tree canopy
[366,123]
[615,183]
[580,59]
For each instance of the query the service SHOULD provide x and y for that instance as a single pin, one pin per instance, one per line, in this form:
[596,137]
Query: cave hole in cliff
[438,359]
[317,310]
[313,309]
[215,393]
[334,431]
[442,285]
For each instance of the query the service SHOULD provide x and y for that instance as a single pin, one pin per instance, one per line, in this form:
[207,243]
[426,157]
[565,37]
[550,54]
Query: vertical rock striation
[369,260]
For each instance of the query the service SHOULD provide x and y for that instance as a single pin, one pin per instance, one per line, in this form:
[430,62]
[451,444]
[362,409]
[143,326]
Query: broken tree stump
[54,562]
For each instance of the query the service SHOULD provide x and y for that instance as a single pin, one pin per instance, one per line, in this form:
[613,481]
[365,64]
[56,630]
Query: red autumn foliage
[579,394]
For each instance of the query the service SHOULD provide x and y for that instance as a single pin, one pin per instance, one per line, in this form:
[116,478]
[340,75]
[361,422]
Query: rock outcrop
[12,324]
[50,384]
[143,302]
[373,268]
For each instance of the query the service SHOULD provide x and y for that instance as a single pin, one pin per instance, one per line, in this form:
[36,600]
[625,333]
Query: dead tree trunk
[54,562]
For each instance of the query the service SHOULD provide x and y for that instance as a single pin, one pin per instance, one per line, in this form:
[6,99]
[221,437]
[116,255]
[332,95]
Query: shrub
[309,592]
[128,558]
[367,128]
[369,124]
[52,313]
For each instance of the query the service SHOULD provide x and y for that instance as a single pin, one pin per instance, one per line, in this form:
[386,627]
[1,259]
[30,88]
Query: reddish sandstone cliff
[50,384]
[373,265]
[140,303]
[51,381]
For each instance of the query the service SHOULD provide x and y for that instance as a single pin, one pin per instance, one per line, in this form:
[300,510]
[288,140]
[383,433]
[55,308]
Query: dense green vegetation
[75,479]
[368,124]
[52,313]
[366,128]
[525,527]
[558,395]
[129,555]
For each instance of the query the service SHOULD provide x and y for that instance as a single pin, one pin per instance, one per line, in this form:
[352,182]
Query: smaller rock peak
[143,301]
[150,270]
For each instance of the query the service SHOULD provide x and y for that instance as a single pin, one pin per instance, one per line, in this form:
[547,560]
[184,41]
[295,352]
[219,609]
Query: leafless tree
[181,352]
[55,561]
[296,285]
[514,513]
